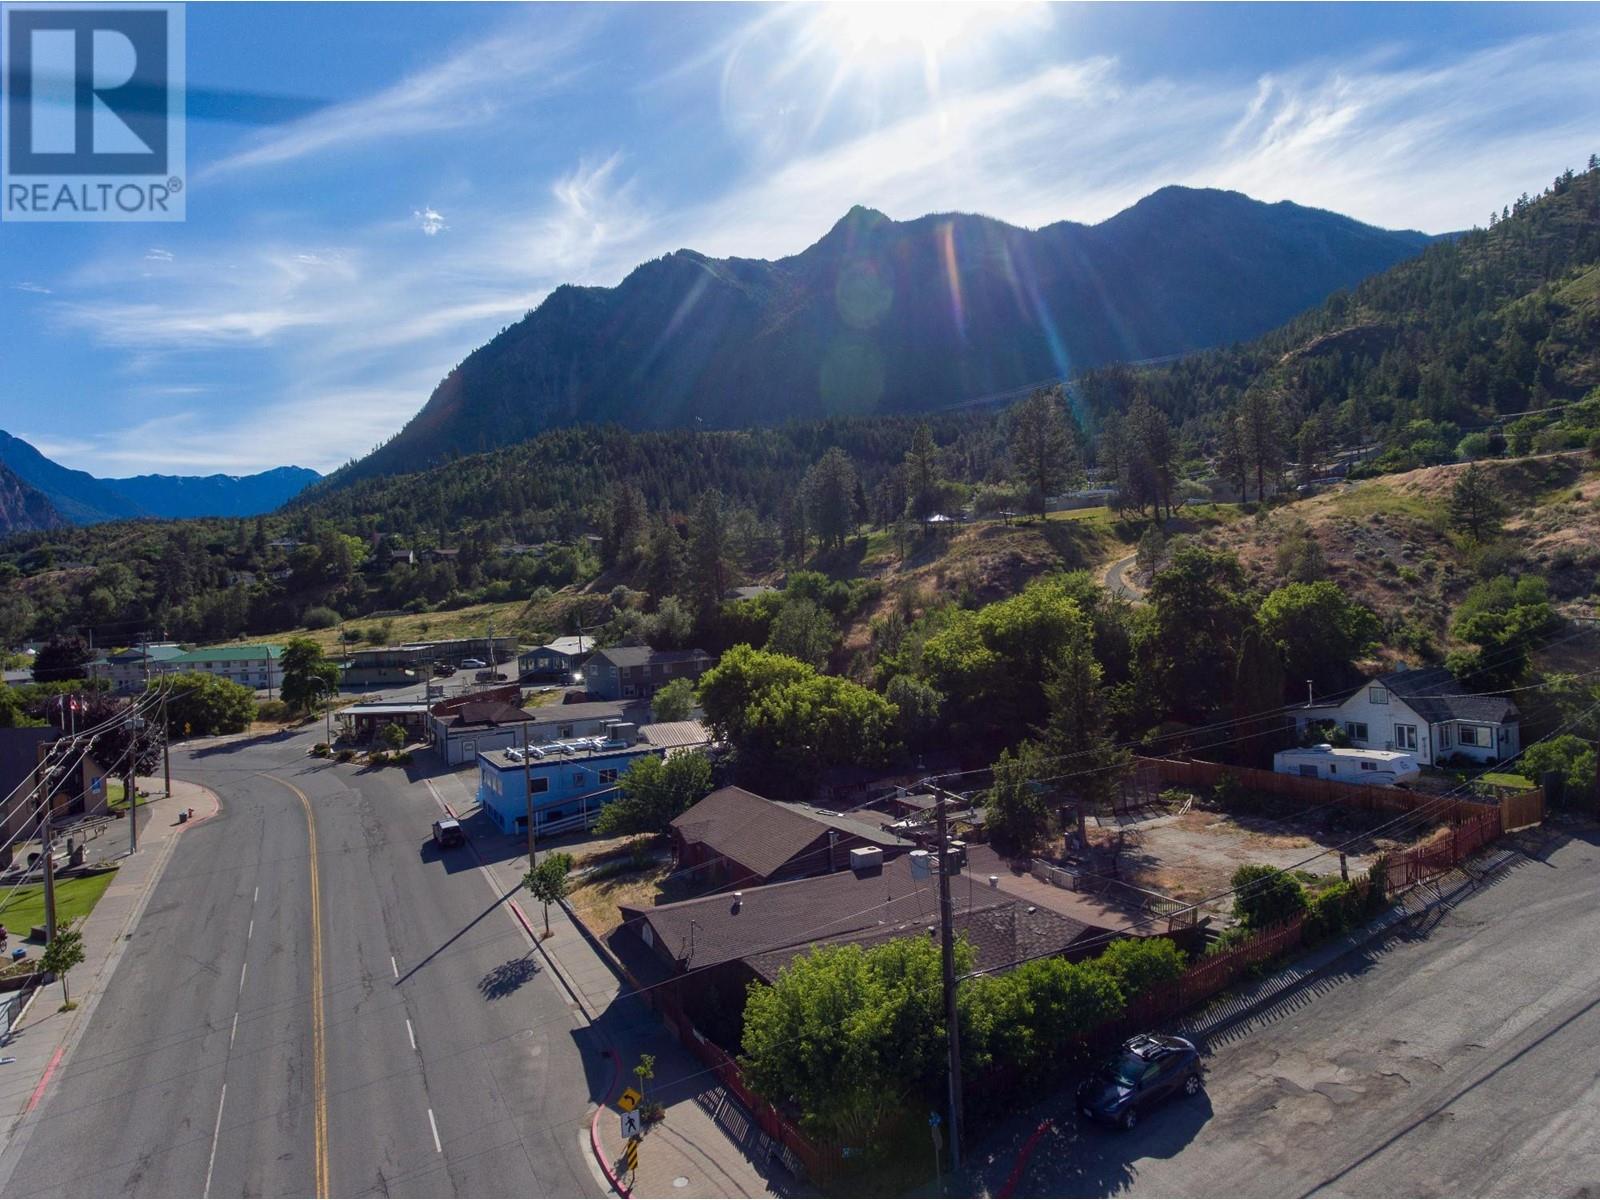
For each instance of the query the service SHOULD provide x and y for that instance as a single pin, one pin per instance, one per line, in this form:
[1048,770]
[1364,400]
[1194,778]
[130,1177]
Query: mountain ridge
[883,316]
[80,498]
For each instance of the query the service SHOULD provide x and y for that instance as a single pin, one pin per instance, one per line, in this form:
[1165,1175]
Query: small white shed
[1376,768]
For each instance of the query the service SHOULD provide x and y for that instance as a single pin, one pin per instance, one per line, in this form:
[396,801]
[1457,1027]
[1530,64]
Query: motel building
[571,781]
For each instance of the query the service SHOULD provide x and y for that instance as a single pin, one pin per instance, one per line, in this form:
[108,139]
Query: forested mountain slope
[882,316]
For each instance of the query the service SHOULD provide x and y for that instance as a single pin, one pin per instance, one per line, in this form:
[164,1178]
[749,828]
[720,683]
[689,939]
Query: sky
[375,190]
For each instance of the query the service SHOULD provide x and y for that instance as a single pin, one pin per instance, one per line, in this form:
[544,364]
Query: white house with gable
[1424,712]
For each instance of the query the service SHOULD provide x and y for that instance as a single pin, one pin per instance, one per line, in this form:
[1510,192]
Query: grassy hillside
[1388,543]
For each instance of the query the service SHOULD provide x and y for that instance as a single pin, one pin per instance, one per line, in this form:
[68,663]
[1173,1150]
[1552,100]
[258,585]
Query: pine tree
[1260,429]
[1042,447]
[922,474]
[709,552]
[1474,507]
[1078,732]
[1231,463]
[829,491]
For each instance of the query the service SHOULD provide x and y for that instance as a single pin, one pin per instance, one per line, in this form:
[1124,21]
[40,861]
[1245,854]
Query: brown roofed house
[735,838]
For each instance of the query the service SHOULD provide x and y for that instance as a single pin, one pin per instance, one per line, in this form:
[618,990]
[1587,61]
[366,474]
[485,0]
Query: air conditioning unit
[866,858]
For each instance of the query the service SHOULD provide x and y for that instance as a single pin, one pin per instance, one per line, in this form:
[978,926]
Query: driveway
[1120,581]
[1457,1059]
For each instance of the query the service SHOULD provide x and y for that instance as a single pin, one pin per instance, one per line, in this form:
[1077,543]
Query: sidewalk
[43,1036]
[703,1148]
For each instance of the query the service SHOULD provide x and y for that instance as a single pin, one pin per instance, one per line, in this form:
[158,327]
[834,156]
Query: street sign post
[632,1125]
[631,1156]
[629,1100]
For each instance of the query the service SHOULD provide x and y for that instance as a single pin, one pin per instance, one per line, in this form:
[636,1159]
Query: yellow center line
[319,1057]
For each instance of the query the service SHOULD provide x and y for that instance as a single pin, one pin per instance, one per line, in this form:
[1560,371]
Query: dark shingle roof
[488,712]
[762,835]
[717,929]
[1435,695]
[642,656]
[1002,934]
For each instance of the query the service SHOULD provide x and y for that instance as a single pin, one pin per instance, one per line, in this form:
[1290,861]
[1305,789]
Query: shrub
[1229,939]
[320,617]
[1334,911]
[402,759]
[272,710]
[378,758]
[1264,896]
[320,750]
[1139,964]
[392,736]
[1594,444]
[345,755]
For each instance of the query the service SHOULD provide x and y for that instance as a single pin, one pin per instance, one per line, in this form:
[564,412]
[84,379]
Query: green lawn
[1507,780]
[22,909]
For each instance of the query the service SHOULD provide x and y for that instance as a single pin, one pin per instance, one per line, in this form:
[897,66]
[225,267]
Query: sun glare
[876,30]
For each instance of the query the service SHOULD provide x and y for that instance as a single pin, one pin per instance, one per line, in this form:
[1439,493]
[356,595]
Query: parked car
[447,832]
[444,670]
[487,676]
[472,664]
[1148,1069]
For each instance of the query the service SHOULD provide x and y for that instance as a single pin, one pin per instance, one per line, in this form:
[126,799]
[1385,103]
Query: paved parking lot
[1458,1059]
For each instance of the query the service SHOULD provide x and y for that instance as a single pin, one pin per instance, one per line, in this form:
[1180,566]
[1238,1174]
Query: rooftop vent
[866,858]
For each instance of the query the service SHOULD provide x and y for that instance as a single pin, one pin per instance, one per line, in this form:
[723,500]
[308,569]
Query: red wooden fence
[1316,792]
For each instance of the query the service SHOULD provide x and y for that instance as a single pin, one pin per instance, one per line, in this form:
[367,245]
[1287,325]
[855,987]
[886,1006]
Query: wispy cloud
[313,346]
[465,89]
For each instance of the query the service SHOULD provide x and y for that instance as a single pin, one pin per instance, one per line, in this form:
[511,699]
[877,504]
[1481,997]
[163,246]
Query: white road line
[243,967]
[251,932]
[411,1033]
[216,1132]
[234,1032]
[394,966]
[255,895]
[434,1125]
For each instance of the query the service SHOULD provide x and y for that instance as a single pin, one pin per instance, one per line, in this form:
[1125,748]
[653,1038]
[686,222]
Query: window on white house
[1405,737]
[1378,695]
[1444,737]
[1471,735]
[1357,730]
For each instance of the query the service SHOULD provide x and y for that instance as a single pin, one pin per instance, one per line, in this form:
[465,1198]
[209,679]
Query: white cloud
[468,88]
[429,220]
[156,254]
[27,285]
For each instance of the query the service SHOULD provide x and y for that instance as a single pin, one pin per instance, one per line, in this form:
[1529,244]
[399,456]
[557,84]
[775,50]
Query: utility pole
[166,746]
[947,946]
[527,790]
[130,784]
[49,871]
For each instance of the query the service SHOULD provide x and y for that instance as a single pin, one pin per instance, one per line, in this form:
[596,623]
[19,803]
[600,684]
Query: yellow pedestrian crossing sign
[629,1100]
[631,1156]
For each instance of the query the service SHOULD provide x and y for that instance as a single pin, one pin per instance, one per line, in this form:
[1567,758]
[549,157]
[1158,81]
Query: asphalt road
[1456,1062]
[436,1058]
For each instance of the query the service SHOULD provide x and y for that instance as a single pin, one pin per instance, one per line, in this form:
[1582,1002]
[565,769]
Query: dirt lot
[1193,855]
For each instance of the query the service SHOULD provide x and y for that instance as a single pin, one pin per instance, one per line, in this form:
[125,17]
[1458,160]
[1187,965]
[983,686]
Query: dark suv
[1147,1070]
